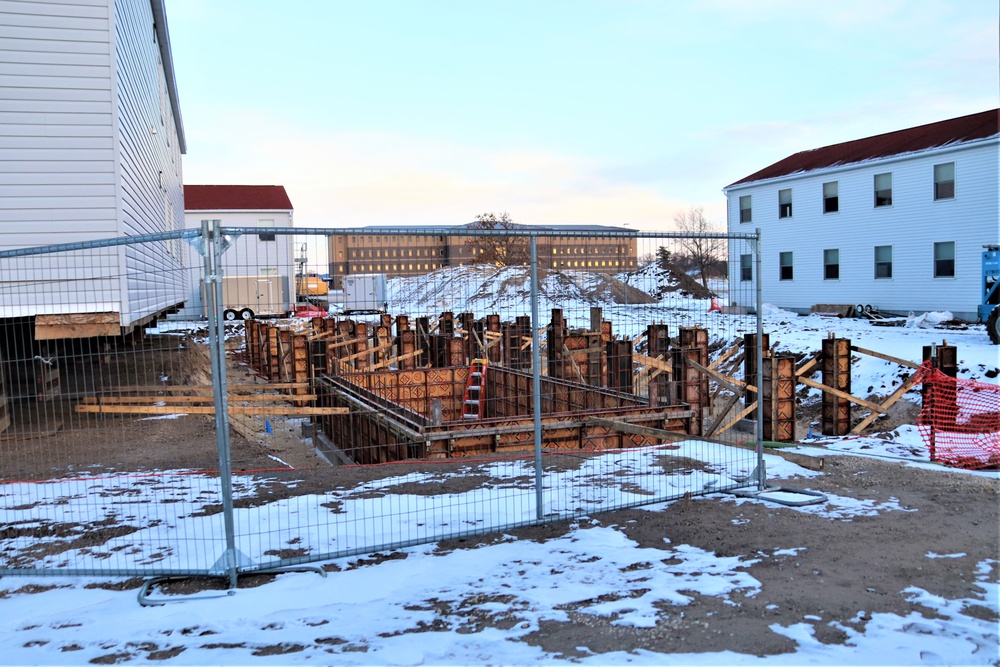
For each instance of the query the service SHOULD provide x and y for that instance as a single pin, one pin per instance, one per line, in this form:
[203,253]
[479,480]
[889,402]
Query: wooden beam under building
[77,325]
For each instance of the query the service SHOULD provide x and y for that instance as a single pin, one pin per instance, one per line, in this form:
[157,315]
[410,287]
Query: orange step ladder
[474,398]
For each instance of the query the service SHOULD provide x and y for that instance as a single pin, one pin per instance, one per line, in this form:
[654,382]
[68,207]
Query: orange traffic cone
[715,306]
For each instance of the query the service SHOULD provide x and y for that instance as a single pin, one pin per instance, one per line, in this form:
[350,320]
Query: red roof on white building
[236,198]
[981,125]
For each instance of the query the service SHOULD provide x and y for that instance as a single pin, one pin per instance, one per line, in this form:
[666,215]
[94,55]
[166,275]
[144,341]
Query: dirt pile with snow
[482,289]
[660,282]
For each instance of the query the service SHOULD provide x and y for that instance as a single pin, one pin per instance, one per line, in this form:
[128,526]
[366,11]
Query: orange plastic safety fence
[959,420]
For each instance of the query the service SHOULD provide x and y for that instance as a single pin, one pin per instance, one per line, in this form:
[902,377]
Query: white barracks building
[897,221]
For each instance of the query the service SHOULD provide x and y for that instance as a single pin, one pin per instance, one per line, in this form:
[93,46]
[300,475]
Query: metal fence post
[536,380]
[217,351]
[759,352]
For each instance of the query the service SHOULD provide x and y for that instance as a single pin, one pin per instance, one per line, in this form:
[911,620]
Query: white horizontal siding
[79,94]
[68,9]
[56,134]
[81,222]
[910,225]
[149,170]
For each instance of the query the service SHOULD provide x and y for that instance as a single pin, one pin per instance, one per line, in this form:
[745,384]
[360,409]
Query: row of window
[944,263]
[371,240]
[584,251]
[944,188]
[357,268]
[594,264]
[420,252]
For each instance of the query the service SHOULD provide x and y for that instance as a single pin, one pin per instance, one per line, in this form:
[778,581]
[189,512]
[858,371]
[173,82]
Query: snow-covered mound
[484,289]
[659,282]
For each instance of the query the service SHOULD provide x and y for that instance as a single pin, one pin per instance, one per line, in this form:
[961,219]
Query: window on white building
[831,264]
[944,259]
[785,203]
[883,189]
[831,200]
[944,181]
[746,267]
[883,261]
[746,209]
[785,266]
[266,236]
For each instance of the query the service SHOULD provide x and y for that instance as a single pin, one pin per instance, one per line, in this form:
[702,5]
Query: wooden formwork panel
[517,436]
[512,392]
[836,373]
[417,389]
[778,398]
[493,327]
[367,436]
[620,366]
[750,361]
[251,329]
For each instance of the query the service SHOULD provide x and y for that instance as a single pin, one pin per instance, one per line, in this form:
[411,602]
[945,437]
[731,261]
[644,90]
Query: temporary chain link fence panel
[429,412]
[107,452]
[366,389]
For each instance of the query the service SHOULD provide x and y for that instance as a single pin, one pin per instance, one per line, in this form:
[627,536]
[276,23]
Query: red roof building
[236,198]
[933,135]
[896,221]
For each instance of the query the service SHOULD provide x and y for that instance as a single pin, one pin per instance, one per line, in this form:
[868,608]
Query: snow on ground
[519,583]
[495,595]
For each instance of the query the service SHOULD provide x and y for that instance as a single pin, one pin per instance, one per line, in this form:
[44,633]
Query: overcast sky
[557,111]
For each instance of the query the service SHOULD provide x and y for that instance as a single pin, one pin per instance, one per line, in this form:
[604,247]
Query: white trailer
[246,297]
[365,293]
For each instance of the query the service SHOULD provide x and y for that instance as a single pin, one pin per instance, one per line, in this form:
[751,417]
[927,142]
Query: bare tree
[703,253]
[500,249]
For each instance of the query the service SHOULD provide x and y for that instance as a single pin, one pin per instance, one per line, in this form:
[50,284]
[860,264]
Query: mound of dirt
[592,287]
[672,281]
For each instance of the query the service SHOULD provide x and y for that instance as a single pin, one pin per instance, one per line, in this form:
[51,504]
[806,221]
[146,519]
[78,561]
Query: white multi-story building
[896,221]
[90,148]
[262,260]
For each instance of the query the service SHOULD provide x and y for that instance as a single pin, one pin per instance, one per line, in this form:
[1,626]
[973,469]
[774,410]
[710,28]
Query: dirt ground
[845,566]
[842,566]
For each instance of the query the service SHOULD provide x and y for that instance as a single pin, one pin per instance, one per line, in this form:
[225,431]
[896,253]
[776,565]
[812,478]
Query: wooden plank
[730,402]
[180,400]
[233,388]
[805,368]
[627,427]
[389,362]
[843,394]
[208,410]
[725,355]
[357,355]
[77,325]
[650,361]
[886,357]
[895,396]
[350,341]
[576,369]
[541,332]
[732,383]
[735,420]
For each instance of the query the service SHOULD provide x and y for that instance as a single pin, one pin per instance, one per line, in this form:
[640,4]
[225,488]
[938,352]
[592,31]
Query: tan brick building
[603,250]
